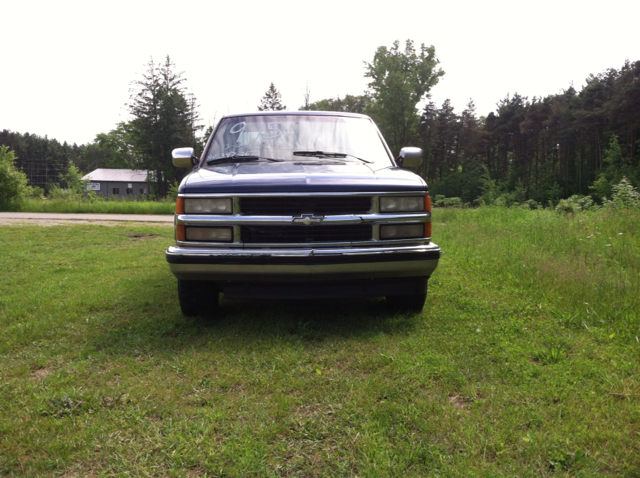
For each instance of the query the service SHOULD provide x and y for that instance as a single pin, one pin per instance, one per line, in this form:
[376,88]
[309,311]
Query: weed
[550,355]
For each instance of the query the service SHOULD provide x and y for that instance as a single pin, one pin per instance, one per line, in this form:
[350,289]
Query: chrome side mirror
[183,158]
[410,157]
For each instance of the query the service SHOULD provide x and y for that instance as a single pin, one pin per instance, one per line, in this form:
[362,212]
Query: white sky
[66,66]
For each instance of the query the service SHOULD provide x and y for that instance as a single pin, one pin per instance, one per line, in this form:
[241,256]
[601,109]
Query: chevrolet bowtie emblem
[307,219]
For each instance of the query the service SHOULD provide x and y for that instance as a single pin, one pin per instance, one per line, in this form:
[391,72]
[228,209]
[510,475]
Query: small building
[118,182]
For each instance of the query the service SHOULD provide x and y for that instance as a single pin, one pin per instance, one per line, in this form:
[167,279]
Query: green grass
[524,362]
[97,207]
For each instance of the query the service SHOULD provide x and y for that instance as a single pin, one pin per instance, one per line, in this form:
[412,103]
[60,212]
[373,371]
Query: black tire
[407,303]
[198,298]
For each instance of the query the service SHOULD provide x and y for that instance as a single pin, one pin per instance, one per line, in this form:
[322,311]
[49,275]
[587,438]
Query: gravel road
[52,219]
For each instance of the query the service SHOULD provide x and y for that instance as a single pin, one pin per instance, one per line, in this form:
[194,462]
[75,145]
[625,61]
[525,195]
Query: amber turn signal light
[181,233]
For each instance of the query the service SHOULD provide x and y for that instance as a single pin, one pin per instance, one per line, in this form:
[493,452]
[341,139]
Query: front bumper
[304,265]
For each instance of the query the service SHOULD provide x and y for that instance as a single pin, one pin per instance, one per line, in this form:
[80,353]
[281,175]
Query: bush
[35,192]
[440,201]
[530,204]
[13,183]
[92,197]
[574,204]
[564,207]
[72,179]
[56,192]
[172,194]
[624,196]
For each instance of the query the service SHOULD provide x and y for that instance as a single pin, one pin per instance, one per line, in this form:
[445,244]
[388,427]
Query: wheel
[198,298]
[413,300]
[407,303]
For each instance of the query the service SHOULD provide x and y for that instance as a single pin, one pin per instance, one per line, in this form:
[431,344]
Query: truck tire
[407,303]
[198,298]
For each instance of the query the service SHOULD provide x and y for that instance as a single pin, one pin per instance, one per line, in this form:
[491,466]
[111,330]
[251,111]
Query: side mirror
[410,157]
[183,158]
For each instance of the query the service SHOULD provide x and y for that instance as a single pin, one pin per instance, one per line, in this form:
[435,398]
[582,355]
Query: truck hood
[293,176]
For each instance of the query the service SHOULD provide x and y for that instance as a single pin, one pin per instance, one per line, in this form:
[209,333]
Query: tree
[205,136]
[164,117]
[272,100]
[307,102]
[348,104]
[40,158]
[399,81]
[613,173]
[451,144]
[13,183]
[72,179]
[116,144]
[109,150]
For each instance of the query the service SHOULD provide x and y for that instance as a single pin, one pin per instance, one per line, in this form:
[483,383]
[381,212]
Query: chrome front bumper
[306,265]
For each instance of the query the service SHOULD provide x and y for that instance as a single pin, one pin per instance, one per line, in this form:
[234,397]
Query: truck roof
[297,113]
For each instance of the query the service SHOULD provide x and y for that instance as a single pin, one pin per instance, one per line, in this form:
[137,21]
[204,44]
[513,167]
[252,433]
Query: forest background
[531,152]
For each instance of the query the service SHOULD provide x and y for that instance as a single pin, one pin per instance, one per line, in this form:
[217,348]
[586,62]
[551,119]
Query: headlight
[402,231]
[208,206]
[209,234]
[402,204]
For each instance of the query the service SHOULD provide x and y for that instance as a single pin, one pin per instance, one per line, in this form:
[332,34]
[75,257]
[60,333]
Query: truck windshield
[286,137]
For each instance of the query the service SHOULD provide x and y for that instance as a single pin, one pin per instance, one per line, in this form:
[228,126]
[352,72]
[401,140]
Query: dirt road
[52,219]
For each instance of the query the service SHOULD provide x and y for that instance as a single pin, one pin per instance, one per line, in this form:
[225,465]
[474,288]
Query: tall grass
[113,206]
[585,266]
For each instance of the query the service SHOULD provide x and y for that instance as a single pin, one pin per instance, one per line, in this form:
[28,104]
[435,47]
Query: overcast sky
[67,66]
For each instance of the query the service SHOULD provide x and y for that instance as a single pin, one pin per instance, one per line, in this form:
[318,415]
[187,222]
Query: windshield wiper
[326,154]
[236,158]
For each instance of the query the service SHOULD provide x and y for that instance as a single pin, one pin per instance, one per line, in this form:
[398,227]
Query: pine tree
[272,100]
[164,117]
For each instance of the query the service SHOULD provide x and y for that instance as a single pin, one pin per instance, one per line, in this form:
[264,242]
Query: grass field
[524,362]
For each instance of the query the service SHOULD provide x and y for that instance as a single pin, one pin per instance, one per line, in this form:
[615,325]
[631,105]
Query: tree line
[543,149]
[534,151]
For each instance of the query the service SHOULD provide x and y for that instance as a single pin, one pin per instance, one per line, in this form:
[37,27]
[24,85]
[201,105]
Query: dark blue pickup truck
[301,205]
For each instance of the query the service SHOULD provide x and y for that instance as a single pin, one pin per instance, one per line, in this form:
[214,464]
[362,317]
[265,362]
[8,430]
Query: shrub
[624,195]
[92,197]
[440,201]
[172,194]
[601,188]
[530,204]
[72,179]
[13,183]
[574,204]
[35,192]
[564,207]
[56,192]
